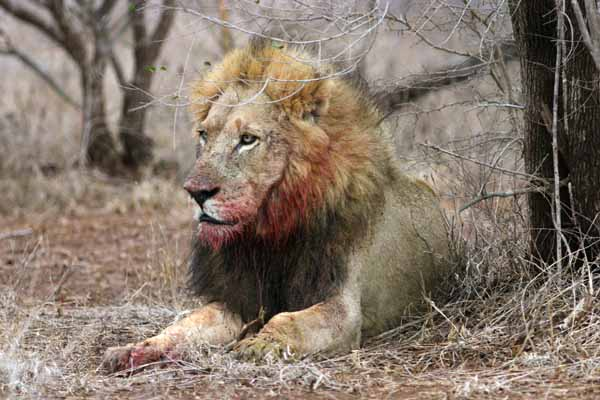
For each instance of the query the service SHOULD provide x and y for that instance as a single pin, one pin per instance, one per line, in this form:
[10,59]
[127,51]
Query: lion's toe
[261,348]
[132,357]
[117,359]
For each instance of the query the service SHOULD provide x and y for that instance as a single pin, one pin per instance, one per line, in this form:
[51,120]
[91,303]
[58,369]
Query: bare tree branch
[165,21]
[591,36]
[105,8]
[390,96]
[490,195]
[591,8]
[364,24]
[32,19]
[118,68]
[85,31]
[404,21]
[16,234]
[167,16]
[560,27]
[138,25]
[10,50]
[72,41]
[148,46]
[483,164]
[25,59]
[226,39]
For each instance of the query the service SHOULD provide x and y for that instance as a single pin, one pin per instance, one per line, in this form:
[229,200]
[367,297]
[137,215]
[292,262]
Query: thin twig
[425,39]
[67,271]
[560,6]
[16,234]
[486,196]
[343,34]
[483,164]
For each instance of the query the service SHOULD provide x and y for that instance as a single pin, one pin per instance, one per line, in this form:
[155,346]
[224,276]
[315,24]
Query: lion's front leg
[211,324]
[333,325]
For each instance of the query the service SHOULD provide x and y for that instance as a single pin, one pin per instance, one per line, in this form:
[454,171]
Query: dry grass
[504,328]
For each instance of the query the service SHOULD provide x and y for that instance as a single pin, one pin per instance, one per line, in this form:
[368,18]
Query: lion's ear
[322,97]
[320,100]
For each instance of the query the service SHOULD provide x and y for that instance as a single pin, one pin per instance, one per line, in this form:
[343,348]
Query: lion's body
[405,258]
[308,223]
[398,248]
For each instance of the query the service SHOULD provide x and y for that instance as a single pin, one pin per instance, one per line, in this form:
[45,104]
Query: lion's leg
[333,325]
[211,324]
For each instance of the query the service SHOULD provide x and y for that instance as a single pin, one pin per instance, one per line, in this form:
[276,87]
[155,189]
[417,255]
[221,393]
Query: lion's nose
[201,195]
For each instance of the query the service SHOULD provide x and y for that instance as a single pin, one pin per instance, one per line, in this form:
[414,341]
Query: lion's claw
[261,347]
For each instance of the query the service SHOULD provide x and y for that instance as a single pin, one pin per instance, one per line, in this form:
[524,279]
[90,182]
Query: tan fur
[322,173]
[294,85]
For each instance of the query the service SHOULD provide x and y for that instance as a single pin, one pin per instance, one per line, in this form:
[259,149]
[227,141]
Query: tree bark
[97,142]
[534,24]
[137,147]
[98,145]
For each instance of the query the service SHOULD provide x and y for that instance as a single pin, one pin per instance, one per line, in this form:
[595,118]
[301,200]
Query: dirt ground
[77,283]
[101,257]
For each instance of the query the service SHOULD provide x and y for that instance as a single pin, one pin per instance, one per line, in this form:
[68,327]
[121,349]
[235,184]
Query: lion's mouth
[211,220]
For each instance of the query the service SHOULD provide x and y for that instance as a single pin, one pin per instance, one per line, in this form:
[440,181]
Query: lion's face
[241,155]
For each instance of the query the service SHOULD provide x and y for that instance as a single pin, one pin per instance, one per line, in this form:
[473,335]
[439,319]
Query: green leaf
[153,68]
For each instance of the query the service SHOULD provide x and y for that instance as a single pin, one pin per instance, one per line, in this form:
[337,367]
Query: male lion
[304,221]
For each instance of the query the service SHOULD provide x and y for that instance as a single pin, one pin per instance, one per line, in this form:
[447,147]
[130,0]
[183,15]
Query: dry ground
[85,279]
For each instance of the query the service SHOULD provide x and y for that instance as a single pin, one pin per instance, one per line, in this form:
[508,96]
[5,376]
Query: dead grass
[78,191]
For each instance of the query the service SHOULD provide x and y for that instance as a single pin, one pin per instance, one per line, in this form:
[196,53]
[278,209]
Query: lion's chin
[218,235]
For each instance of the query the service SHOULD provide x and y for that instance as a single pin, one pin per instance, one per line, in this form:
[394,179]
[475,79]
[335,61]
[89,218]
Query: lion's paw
[132,357]
[262,347]
[116,359]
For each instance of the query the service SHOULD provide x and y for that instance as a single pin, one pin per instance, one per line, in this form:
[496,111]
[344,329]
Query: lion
[309,239]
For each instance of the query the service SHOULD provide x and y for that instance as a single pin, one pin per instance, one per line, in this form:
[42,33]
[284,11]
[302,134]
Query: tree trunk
[534,24]
[98,145]
[97,142]
[137,147]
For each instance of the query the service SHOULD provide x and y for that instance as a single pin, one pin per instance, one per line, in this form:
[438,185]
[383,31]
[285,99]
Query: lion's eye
[247,139]
[203,135]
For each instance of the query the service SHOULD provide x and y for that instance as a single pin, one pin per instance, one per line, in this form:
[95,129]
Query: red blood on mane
[293,204]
